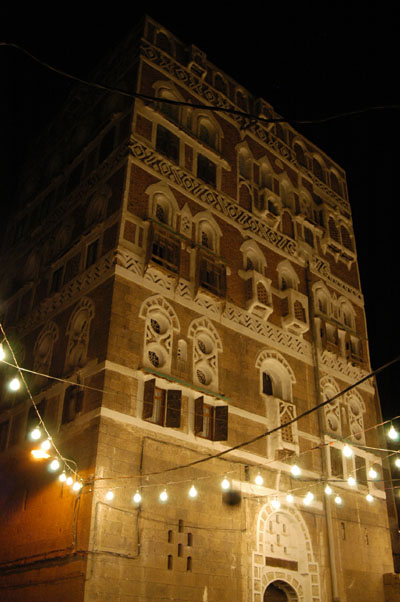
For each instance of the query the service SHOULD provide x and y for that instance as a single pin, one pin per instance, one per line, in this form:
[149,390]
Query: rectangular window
[361,470]
[210,422]
[161,406]
[57,280]
[167,144]
[164,250]
[212,275]
[73,403]
[92,253]
[336,462]
[206,170]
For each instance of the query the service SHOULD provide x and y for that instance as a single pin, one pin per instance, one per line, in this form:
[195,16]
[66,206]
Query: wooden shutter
[198,415]
[148,398]
[220,423]
[173,410]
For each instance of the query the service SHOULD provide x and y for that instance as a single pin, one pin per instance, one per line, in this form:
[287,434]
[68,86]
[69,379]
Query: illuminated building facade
[189,280]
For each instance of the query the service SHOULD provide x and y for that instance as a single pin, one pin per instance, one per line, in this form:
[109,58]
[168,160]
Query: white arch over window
[160,323]
[43,350]
[78,330]
[329,388]
[253,257]
[287,276]
[163,206]
[279,371]
[245,161]
[346,312]
[165,89]
[322,299]
[355,411]
[206,347]
[207,129]
[207,230]
[97,207]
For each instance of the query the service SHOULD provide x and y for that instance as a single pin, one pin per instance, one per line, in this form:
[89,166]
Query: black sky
[309,60]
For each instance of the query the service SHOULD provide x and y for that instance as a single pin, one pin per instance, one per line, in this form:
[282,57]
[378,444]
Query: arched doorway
[279,591]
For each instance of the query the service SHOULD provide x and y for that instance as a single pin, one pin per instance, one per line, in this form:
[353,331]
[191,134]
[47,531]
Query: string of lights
[243,114]
[295,470]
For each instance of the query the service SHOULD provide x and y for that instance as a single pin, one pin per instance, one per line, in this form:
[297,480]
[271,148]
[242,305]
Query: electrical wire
[252,117]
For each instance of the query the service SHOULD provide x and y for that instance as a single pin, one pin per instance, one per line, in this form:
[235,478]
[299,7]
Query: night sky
[309,60]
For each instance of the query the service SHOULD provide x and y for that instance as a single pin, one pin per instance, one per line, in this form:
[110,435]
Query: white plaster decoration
[43,351]
[97,207]
[160,322]
[258,294]
[163,206]
[206,347]
[287,275]
[355,411]
[186,222]
[207,231]
[295,312]
[78,334]
[333,423]
[253,257]
[284,540]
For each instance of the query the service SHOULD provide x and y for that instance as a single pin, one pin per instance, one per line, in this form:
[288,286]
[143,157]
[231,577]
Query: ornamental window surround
[160,323]
[206,349]
[78,331]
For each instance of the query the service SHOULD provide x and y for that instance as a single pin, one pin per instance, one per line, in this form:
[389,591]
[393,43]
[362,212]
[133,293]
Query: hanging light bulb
[193,492]
[275,504]
[36,433]
[14,384]
[40,454]
[259,480]
[54,465]
[46,445]
[308,498]
[397,462]
[289,498]
[351,481]
[347,451]
[369,498]
[62,477]
[77,486]
[392,433]
[338,500]
[109,495]
[164,495]
[372,473]
[295,470]
[69,481]
[225,484]
[328,490]
[137,498]
[2,352]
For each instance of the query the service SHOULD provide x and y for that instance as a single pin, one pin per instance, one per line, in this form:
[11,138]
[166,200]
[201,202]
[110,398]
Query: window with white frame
[161,406]
[210,420]
[78,334]
[160,323]
[206,348]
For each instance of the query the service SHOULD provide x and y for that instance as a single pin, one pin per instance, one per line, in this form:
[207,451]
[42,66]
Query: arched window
[206,348]
[333,230]
[346,238]
[220,83]
[207,132]
[300,154]
[169,109]
[287,276]
[335,184]
[318,169]
[245,163]
[163,206]
[78,334]
[160,323]
[241,100]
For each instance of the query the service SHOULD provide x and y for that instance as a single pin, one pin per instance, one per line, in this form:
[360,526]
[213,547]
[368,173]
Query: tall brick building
[188,279]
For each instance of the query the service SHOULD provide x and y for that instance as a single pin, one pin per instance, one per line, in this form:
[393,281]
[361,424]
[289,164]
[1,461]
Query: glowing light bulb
[328,490]
[77,486]
[347,451]
[69,481]
[372,473]
[259,480]
[14,384]
[109,495]
[137,498]
[369,498]
[62,477]
[46,445]
[36,433]
[2,353]
[393,434]
[351,481]
[39,454]
[225,484]
[289,498]
[164,496]
[397,462]
[295,470]
[338,500]
[54,465]
[308,498]
[193,491]
[275,504]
